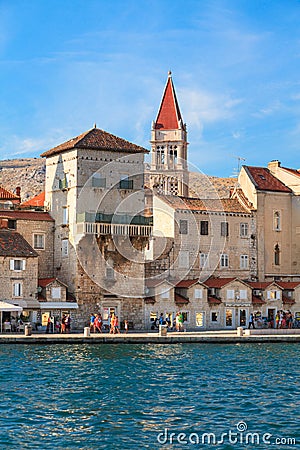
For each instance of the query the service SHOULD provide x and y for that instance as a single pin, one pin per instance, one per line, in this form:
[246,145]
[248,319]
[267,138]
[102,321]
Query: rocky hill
[29,174]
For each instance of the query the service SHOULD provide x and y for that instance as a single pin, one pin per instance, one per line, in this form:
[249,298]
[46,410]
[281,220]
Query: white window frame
[65,248]
[17,292]
[277,220]
[273,294]
[65,218]
[230,294]
[244,262]
[22,265]
[203,319]
[224,260]
[203,260]
[36,237]
[244,229]
[198,293]
[165,294]
[243,294]
[56,292]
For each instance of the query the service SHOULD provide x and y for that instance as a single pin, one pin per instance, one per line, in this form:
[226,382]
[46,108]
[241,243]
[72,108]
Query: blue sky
[67,64]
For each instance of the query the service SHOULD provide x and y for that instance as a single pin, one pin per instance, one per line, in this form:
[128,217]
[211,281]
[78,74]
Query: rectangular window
[277,221]
[198,293]
[244,230]
[17,290]
[12,224]
[244,262]
[200,319]
[273,295]
[65,247]
[125,182]
[39,241]
[243,294]
[165,294]
[184,260]
[203,259]
[183,227]
[224,229]
[204,227]
[230,294]
[17,264]
[224,260]
[186,316]
[214,316]
[65,215]
[98,181]
[110,273]
[56,292]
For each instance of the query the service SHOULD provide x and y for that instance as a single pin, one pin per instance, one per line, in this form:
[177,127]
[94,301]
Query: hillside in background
[29,174]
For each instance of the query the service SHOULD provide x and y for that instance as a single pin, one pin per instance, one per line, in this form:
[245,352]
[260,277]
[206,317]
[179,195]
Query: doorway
[242,317]
[271,317]
[229,318]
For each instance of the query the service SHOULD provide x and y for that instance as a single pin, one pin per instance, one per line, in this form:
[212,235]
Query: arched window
[277,221]
[276,255]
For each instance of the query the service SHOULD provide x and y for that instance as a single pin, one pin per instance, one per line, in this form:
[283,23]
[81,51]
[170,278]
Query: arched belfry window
[276,255]
[277,221]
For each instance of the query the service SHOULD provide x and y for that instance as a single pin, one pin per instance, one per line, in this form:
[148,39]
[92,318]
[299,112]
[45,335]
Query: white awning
[26,304]
[4,306]
[58,305]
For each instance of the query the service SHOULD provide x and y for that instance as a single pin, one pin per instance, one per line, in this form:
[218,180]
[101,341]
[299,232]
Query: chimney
[273,165]
[3,224]
[18,191]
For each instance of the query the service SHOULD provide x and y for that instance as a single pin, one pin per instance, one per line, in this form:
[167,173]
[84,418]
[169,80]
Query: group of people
[283,319]
[63,326]
[96,324]
[177,322]
[13,324]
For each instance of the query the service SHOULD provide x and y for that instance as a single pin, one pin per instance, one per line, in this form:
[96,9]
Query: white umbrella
[8,307]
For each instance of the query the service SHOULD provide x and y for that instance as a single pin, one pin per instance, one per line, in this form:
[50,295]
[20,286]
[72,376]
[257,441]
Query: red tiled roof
[96,139]
[217,282]
[288,285]
[263,180]
[149,300]
[259,284]
[180,300]
[227,205]
[43,282]
[214,300]
[169,112]
[186,283]
[7,195]
[38,200]
[257,300]
[26,215]
[293,171]
[287,300]
[13,244]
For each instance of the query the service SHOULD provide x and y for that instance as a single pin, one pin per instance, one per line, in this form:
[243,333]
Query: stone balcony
[102,229]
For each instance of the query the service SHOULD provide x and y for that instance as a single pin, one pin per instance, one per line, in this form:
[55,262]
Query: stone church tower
[169,172]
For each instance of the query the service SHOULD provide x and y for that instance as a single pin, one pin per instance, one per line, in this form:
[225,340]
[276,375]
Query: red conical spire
[169,113]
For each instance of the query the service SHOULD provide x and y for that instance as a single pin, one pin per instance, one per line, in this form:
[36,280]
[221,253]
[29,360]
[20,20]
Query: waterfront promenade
[204,337]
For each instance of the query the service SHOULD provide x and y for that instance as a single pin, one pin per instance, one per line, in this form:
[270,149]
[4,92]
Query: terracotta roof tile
[293,171]
[7,195]
[263,180]
[259,284]
[218,282]
[288,301]
[214,300]
[226,205]
[186,283]
[288,285]
[169,113]
[13,244]
[26,215]
[257,300]
[38,200]
[43,282]
[180,300]
[96,139]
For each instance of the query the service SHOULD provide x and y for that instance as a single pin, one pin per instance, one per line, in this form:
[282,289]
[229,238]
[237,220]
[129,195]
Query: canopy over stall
[7,307]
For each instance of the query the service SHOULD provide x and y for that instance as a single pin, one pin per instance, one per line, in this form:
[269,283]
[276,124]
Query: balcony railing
[114,229]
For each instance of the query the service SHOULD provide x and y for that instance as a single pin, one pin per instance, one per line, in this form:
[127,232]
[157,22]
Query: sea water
[149,396]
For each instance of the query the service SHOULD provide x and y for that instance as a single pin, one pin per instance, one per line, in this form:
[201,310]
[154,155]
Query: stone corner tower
[169,172]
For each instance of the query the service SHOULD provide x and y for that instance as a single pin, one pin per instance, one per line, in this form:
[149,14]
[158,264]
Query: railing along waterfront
[114,229]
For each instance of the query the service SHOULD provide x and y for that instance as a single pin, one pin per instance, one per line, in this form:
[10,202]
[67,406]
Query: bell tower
[169,171]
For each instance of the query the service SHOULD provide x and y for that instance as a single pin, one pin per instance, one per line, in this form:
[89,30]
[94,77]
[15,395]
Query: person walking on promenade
[112,324]
[68,323]
[277,319]
[98,323]
[92,323]
[63,324]
[251,321]
[116,325]
[125,326]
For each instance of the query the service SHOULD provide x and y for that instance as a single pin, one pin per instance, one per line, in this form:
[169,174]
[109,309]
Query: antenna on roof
[95,125]
[236,170]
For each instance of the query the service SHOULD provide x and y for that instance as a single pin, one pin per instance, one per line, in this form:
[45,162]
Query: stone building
[95,194]
[19,269]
